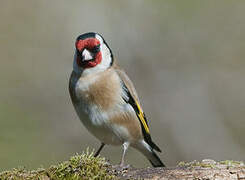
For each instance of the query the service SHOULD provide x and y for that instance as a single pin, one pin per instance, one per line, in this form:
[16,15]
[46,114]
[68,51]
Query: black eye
[95,49]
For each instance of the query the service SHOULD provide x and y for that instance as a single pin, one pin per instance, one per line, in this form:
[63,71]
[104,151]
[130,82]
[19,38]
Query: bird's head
[92,53]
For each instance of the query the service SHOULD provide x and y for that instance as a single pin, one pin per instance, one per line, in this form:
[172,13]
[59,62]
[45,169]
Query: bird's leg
[98,151]
[125,147]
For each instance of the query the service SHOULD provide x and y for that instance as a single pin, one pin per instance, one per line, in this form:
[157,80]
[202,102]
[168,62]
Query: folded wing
[130,97]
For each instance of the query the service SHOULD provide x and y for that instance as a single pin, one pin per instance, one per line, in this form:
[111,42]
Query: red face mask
[91,44]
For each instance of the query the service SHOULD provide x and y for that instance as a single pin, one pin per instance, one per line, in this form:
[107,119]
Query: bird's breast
[96,96]
[102,90]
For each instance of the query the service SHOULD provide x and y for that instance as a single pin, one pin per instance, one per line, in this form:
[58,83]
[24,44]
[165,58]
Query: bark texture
[205,170]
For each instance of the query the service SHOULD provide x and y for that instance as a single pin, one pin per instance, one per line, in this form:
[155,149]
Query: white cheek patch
[106,53]
[99,38]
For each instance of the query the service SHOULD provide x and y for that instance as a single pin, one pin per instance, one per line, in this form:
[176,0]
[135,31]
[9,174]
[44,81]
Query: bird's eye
[95,49]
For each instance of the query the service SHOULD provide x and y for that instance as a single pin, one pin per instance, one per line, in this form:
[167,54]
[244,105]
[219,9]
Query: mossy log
[86,166]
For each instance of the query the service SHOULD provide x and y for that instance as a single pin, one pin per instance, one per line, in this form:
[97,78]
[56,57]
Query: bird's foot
[121,167]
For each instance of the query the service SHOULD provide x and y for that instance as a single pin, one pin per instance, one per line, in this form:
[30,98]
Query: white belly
[98,124]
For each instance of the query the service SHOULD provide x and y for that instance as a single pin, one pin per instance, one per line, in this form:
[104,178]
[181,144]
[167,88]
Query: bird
[106,101]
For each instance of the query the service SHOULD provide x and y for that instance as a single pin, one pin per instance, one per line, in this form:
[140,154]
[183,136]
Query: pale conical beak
[86,55]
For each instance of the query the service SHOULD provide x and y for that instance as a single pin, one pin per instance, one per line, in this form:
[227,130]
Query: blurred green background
[186,59]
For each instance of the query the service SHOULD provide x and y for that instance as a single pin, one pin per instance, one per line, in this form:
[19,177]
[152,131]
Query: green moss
[196,164]
[22,174]
[84,166]
[232,163]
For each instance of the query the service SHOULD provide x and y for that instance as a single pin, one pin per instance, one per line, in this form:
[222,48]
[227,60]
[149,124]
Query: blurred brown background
[186,59]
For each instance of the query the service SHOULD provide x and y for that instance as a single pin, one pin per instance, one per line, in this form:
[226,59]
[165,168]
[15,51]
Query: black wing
[141,116]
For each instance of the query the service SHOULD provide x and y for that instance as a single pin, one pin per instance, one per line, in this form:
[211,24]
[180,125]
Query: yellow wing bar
[142,119]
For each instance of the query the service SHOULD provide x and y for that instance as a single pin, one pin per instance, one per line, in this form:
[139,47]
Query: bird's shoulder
[126,81]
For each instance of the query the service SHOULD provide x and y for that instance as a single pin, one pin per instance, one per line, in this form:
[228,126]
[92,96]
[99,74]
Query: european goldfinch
[106,100]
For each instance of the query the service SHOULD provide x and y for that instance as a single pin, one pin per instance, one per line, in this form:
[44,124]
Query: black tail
[155,160]
[149,153]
